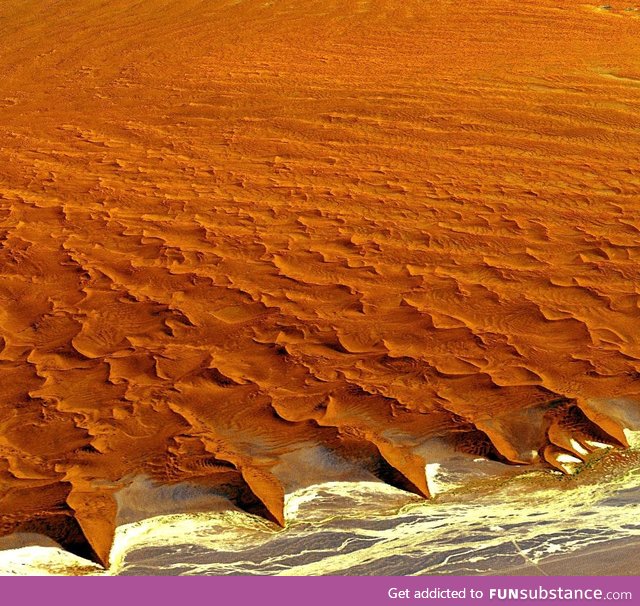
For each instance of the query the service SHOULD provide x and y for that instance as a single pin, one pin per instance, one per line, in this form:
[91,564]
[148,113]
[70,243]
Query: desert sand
[253,245]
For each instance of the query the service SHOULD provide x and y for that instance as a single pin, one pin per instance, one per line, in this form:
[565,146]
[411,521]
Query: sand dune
[404,233]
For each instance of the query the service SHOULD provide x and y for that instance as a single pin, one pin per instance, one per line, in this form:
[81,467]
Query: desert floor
[249,249]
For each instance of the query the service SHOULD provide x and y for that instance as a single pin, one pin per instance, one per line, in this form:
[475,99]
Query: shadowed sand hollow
[256,245]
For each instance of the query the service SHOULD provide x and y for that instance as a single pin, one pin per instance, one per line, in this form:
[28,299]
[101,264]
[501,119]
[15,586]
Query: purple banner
[319,591]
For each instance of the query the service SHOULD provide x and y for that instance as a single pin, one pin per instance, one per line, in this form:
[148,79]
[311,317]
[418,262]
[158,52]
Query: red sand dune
[235,229]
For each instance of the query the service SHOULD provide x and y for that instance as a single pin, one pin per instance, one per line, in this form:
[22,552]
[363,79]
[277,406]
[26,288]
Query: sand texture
[537,523]
[253,246]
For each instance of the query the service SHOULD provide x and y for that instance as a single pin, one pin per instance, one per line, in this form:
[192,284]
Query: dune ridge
[406,233]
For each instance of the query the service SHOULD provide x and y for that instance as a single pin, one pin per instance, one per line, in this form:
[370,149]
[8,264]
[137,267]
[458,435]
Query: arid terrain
[255,246]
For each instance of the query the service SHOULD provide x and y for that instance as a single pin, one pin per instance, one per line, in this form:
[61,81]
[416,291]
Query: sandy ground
[531,524]
[256,246]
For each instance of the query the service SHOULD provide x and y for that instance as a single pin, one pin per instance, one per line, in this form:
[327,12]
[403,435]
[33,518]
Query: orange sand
[232,229]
